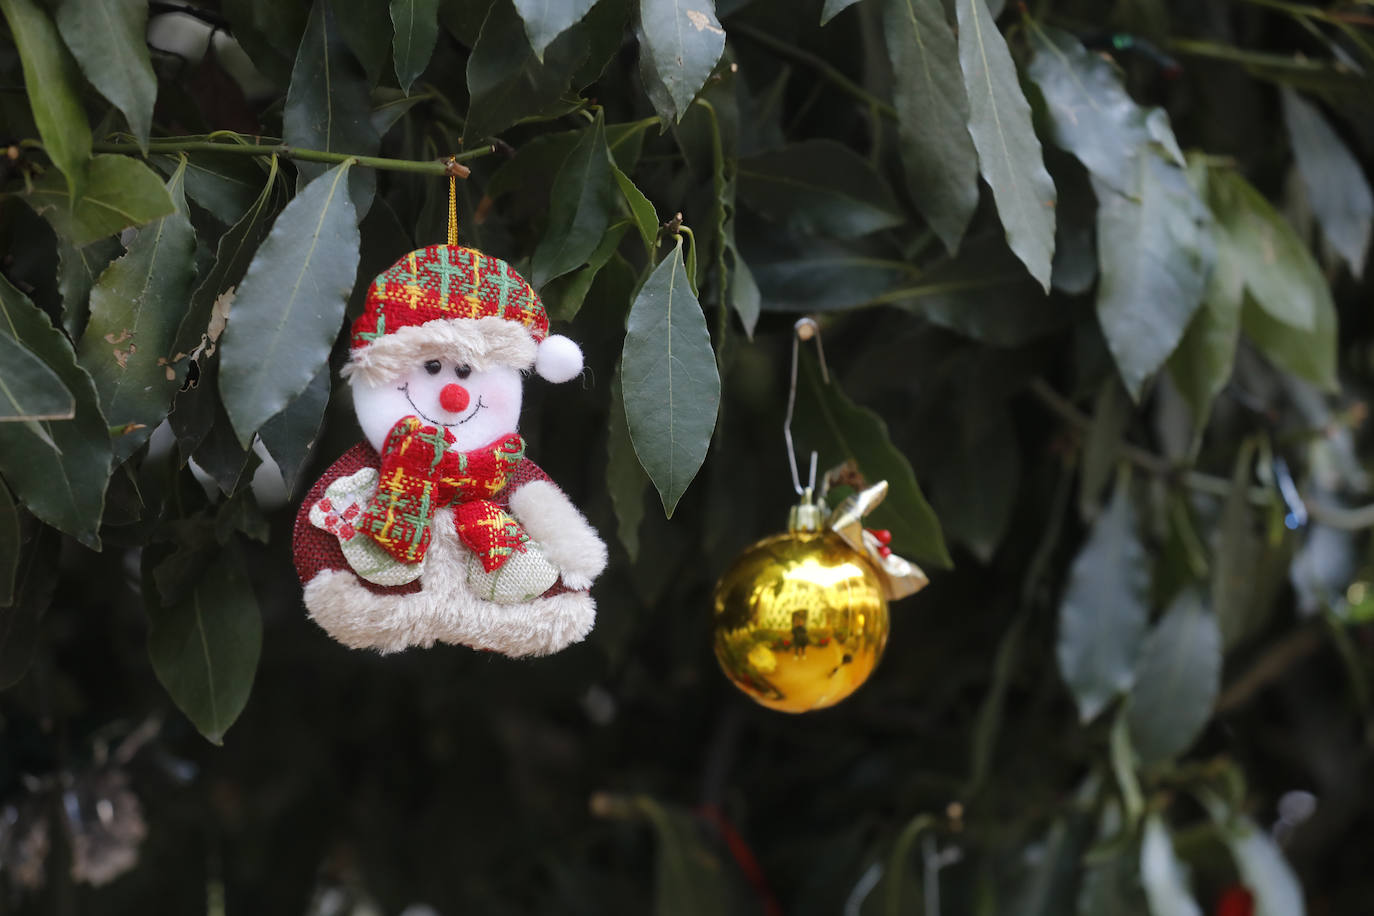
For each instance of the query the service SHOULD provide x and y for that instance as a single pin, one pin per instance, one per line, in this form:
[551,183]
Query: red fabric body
[316,550]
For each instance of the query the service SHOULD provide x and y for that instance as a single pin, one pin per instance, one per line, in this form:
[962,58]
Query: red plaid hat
[447,281]
[446,297]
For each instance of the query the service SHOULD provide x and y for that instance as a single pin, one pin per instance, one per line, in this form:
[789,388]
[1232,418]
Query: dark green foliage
[1092,285]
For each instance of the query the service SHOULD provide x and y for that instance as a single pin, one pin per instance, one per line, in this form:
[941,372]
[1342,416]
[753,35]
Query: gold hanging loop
[452,210]
[455,170]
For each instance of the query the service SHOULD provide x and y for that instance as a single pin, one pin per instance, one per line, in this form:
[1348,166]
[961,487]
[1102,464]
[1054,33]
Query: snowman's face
[478,407]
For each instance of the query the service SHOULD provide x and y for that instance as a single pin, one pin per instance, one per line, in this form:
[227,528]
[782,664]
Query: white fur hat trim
[479,342]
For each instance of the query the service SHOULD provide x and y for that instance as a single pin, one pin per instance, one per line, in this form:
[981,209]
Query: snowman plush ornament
[437,528]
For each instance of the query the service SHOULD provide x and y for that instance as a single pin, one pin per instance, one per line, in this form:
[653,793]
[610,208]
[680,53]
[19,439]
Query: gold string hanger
[455,170]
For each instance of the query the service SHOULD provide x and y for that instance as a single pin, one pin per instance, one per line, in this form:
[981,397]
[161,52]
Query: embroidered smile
[405,389]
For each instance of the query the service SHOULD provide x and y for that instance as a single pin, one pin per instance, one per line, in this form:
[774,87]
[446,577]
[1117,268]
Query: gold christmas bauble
[800,621]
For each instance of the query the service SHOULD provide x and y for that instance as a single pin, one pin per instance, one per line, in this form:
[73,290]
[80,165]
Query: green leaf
[220,455]
[270,31]
[1102,445]
[564,297]
[416,30]
[975,499]
[29,390]
[205,647]
[984,294]
[1201,365]
[11,540]
[366,27]
[1112,888]
[545,20]
[1091,114]
[328,105]
[1176,680]
[389,106]
[1336,187]
[291,435]
[1009,155]
[53,87]
[233,254]
[743,293]
[35,581]
[506,82]
[1310,355]
[938,157]
[988,724]
[290,306]
[224,184]
[1155,253]
[109,40]
[645,216]
[830,423]
[136,308]
[1264,871]
[689,877]
[1050,883]
[822,275]
[120,192]
[1162,874]
[818,187]
[671,386]
[1074,268]
[602,32]
[78,269]
[833,8]
[1104,611]
[196,408]
[1259,246]
[57,470]
[534,165]
[682,40]
[624,479]
[584,195]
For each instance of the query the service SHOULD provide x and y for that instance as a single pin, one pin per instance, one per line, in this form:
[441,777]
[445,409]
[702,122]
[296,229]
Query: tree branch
[1269,667]
[423,166]
[824,67]
[1356,519]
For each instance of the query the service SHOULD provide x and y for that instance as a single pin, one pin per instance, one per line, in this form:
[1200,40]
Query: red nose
[454,398]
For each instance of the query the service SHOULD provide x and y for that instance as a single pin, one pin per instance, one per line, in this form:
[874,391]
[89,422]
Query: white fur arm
[569,541]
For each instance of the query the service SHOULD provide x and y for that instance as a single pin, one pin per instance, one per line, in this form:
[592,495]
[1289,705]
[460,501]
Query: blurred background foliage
[1095,272]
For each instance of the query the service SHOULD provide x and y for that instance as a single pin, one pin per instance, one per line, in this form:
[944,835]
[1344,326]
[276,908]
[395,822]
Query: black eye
[463,371]
[433,367]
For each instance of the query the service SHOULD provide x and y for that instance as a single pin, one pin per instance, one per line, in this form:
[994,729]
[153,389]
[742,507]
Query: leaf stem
[422,167]
[824,67]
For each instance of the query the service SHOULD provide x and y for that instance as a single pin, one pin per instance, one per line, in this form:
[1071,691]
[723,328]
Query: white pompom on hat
[445,300]
[558,359]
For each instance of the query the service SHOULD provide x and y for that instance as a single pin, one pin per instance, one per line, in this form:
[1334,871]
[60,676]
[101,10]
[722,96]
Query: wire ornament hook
[804,329]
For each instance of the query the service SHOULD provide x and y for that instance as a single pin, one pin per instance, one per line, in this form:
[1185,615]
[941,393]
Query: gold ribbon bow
[899,577]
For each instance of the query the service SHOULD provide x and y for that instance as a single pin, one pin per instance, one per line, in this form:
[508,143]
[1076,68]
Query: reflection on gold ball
[800,621]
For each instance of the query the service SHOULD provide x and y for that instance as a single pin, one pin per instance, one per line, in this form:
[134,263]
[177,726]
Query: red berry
[1236,901]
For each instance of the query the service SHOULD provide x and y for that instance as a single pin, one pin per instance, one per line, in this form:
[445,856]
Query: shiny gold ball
[800,621]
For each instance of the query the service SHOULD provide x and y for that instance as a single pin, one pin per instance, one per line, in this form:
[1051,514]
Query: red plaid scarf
[419,475]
